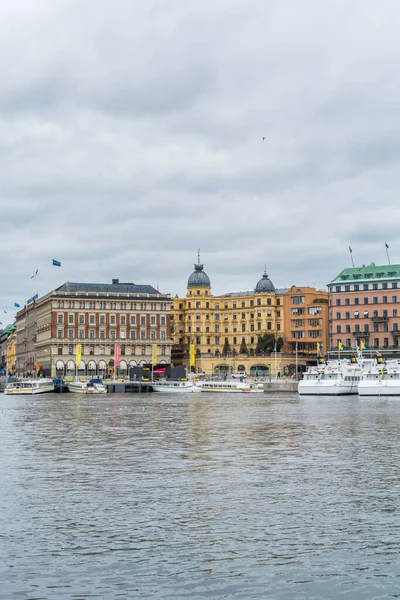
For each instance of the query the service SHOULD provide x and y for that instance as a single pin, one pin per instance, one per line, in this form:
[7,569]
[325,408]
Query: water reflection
[152,496]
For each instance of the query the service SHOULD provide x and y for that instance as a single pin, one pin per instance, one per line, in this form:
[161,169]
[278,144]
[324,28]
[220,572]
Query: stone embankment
[280,385]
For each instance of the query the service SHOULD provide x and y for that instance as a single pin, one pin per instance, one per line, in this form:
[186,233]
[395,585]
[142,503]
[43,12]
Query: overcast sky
[131,134]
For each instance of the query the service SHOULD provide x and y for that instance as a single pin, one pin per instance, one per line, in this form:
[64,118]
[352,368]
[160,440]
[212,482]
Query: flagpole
[351,256]
[387,253]
[296,362]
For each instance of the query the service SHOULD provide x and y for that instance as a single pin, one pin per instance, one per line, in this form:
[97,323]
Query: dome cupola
[265,284]
[198,278]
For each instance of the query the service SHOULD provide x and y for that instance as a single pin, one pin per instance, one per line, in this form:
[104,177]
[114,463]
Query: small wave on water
[153,496]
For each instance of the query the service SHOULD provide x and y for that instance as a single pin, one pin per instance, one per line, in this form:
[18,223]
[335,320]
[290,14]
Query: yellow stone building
[11,351]
[225,329]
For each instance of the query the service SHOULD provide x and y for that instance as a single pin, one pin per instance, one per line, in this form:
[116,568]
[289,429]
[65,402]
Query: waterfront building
[225,329]
[11,350]
[306,320]
[97,316]
[5,336]
[364,308]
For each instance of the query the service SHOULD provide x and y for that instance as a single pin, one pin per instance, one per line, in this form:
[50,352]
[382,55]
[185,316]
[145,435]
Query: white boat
[87,387]
[382,379]
[29,386]
[176,387]
[231,387]
[334,378]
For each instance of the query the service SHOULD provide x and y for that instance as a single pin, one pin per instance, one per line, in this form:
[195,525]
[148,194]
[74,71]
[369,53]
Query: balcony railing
[361,334]
[379,319]
[395,332]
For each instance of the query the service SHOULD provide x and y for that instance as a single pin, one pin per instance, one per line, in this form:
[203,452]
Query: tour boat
[172,387]
[230,386]
[382,379]
[87,387]
[334,378]
[29,386]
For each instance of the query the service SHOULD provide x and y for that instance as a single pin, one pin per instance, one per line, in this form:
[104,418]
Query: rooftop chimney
[115,281]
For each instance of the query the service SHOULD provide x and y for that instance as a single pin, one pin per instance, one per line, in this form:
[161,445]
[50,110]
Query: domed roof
[265,284]
[199,278]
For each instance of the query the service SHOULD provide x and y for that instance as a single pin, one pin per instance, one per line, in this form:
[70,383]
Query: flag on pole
[17,305]
[386,245]
[155,358]
[192,356]
[56,263]
[117,353]
[350,249]
[78,355]
[340,345]
[362,345]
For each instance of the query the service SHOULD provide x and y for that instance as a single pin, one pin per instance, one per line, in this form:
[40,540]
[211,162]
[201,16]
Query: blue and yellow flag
[362,345]
[340,345]
[155,358]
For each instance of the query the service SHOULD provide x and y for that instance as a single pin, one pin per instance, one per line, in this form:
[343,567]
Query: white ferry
[29,387]
[230,386]
[176,387]
[336,377]
[382,379]
[87,387]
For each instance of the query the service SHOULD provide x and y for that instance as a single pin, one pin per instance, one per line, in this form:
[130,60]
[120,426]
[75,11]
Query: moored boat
[172,387]
[382,379]
[334,378]
[29,387]
[229,386]
[87,387]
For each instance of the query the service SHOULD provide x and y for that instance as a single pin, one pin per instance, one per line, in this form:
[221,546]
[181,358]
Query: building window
[81,320]
[347,328]
[133,335]
[356,287]
[60,319]
[356,301]
[338,316]
[374,286]
[394,284]
[338,288]
[102,334]
[59,350]
[365,286]
[216,329]
[91,319]
[70,349]
[243,327]
[198,305]
[91,334]
[112,335]
[346,288]
[81,334]
[71,334]
[347,315]
[152,320]
[347,301]
[269,325]
[71,319]
[376,342]
[385,313]
[384,299]
[102,320]
[162,321]
[152,335]
[216,341]
[123,319]
[112,319]
[60,334]
[337,301]
[143,320]
[163,335]
[142,335]
[375,300]
[376,327]
[338,329]
[395,312]
[133,320]
[365,300]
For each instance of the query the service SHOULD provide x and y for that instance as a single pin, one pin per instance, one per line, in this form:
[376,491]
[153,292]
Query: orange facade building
[306,320]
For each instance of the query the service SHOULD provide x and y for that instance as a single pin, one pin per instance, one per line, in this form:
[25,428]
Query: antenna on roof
[198,256]
[265,268]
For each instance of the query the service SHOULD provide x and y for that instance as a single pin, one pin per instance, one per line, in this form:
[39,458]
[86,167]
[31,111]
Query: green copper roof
[371,272]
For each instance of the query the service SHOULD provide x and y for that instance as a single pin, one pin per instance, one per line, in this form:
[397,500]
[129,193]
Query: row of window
[375,300]
[217,305]
[312,333]
[385,313]
[312,310]
[375,343]
[366,286]
[366,329]
[302,322]
[217,341]
[226,318]
[103,351]
[93,305]
[113,336]
[234,329]
[102,319]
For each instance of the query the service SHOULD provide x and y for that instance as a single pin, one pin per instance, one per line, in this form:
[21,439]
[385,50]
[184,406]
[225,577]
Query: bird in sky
[6,312]
[263,138]
[35,273]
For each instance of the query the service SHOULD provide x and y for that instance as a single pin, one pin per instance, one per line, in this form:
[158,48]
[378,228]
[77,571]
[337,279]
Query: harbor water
[199,496]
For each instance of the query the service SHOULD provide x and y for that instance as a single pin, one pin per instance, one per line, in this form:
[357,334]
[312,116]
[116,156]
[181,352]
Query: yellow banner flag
[155,358]
[192,356]
[340,345]
[78,355]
